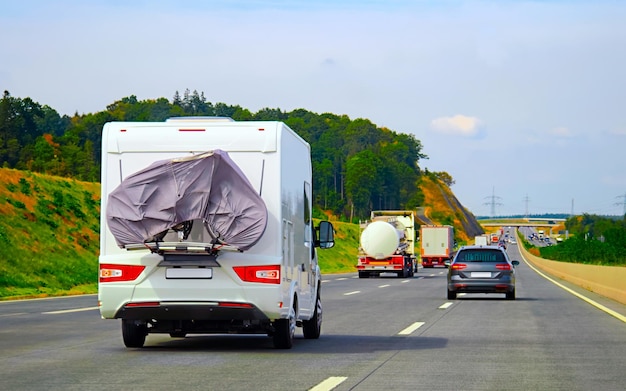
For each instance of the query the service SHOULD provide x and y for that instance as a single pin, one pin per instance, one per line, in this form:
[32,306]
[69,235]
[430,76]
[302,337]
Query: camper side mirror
[325,235]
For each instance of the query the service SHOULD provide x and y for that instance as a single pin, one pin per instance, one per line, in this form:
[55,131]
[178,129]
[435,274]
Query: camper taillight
[267,274]
[116,273]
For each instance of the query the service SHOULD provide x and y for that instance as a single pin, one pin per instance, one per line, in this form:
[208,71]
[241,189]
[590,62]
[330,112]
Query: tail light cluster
[503,266]
[116,273]
[266,274]
[458,266]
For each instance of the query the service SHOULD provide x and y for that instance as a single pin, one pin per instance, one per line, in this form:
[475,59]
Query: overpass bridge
[517,222]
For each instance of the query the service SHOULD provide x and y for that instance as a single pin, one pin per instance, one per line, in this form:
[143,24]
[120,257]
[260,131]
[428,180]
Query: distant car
[477,269]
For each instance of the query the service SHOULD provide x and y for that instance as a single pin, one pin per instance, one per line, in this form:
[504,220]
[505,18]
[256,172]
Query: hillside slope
[50,227]
[49,233]
[442,207]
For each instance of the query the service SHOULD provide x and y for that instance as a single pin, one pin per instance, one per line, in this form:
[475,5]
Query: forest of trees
[596,240]
[357,166]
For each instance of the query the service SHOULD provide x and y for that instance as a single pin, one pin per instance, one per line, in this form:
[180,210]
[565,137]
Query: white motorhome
[206,227]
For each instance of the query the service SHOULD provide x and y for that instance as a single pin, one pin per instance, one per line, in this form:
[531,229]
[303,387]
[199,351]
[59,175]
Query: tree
[176,101]
[18,127]
[45,154]
[362,180]
[445,178]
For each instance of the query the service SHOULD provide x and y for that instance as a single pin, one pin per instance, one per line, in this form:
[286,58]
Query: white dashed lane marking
[411,328]
[351,293]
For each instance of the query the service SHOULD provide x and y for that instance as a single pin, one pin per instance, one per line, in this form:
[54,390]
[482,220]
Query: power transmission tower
[493,202]
[623,203]
[526,199]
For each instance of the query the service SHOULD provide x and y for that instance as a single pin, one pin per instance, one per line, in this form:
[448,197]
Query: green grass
[49,239]
[342,257]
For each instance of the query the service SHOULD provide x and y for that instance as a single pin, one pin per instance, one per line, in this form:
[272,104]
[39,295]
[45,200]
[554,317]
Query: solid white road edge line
[329,383]
[72,310]
[411,328]
[47,298]
[573,292]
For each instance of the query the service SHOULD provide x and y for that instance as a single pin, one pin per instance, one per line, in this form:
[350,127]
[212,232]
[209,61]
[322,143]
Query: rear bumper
[480,287]
[197,318]
[381,269]
[427,262]
[191,311]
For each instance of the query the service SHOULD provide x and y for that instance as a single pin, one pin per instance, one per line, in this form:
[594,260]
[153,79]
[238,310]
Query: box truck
[206,227]
[437,245]
[481,240]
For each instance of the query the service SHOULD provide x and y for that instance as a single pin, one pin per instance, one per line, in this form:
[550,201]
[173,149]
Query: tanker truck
[387,244]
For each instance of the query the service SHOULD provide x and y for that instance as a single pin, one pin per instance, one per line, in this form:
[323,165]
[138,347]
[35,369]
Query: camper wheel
[285,329]
[134,333]
[312,328]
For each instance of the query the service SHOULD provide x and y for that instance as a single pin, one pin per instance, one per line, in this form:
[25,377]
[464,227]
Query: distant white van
[206,227]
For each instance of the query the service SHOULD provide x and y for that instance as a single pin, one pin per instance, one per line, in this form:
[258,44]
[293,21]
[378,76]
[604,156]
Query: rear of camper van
[206,228]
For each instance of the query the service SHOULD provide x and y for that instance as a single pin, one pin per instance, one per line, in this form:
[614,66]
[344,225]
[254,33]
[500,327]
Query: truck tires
[364,274]
[313,327]
[134,333]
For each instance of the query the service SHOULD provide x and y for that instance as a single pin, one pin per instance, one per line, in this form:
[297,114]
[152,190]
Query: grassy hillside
[49,233]
[342,257]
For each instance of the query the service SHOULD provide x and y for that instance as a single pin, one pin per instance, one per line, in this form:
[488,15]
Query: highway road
[378,334]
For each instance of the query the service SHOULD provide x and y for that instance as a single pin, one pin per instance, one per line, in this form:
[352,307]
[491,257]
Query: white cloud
[561,132]
[614,179]
[618,131]
[457,125]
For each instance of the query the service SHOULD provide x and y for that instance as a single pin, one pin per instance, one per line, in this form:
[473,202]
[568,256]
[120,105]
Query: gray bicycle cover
[209,186]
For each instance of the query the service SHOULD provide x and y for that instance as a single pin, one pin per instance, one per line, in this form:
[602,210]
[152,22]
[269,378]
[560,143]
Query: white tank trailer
[387,244]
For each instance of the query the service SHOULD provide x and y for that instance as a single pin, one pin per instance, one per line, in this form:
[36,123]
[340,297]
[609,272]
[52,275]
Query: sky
[523,103]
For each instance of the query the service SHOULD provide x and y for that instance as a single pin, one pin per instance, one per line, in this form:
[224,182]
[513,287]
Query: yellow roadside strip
[573,292]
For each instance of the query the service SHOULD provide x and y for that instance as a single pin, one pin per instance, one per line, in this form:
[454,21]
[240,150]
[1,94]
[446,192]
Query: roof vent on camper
[200,119]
